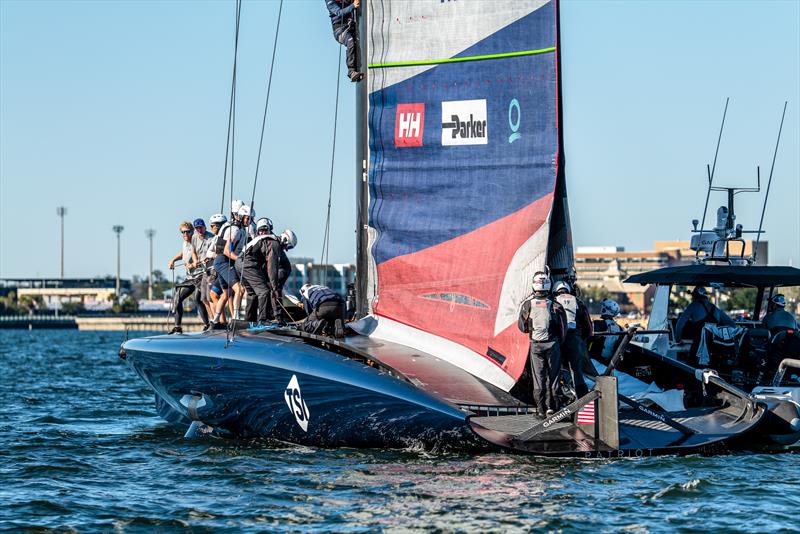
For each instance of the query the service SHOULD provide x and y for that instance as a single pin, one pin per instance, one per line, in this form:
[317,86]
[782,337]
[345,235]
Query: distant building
[608,266]
[91,292]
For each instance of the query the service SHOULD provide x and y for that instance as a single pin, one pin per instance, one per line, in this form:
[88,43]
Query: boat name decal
[297,406]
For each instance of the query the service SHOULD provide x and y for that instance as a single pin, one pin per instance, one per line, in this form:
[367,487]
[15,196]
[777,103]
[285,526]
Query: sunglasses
[199,227]
[186,231]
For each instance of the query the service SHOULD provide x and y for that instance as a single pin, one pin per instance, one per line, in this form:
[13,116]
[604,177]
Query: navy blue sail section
[422,196]
[463,165]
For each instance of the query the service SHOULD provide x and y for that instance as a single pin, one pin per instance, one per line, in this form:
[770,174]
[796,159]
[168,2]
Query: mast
[362,162]
[559,244]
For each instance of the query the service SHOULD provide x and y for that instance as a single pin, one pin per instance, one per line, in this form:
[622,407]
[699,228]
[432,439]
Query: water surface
[81,448]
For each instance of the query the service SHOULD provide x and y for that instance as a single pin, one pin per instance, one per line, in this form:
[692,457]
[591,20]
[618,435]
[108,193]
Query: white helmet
[264,222]
[609,308]
[289,239]
[236,205]
[779,300]
[562,286]
[304,290]
[541,282]
[218,218]
[244,211]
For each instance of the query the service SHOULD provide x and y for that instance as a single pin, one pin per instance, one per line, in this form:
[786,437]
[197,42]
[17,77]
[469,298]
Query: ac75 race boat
[461,198]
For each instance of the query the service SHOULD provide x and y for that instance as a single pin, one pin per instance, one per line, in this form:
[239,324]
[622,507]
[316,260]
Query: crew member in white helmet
[544,321]
[609,310]
[579,328]
[777,318]
[229,244]
[260,261]
[288,241]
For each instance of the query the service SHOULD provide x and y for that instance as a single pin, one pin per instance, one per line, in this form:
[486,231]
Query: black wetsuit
[260,271]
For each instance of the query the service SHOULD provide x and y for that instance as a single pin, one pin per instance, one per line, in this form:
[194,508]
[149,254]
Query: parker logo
[297,406]
[409,125]
[464,122]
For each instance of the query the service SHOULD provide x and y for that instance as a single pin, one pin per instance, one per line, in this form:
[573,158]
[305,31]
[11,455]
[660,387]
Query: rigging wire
[326,240]
[231,111]
[266,104]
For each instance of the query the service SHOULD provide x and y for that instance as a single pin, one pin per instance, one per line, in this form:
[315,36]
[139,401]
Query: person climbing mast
[345,31]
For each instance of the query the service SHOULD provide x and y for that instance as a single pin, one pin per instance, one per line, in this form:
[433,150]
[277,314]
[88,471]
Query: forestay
[464,165]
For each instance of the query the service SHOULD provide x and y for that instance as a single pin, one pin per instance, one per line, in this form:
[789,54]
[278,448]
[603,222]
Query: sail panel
[462,173]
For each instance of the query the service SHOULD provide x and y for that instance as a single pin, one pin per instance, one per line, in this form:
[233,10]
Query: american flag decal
[586,415]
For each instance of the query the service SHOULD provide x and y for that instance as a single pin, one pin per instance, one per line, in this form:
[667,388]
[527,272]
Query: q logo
[514,125]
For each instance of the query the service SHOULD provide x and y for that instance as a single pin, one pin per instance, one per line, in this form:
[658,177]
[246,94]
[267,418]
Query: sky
[118,111]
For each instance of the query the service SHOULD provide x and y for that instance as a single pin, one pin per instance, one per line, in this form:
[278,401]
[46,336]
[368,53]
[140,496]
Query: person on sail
[604,346]
[699,312]
[777,318]
[325,309]
[229,244]
[260,260]
[579,329]
[544,320]
[345,31]
[186,288]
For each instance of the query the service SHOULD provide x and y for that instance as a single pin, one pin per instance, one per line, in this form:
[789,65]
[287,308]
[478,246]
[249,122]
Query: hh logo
[464,122]
[296,404]
[409,124]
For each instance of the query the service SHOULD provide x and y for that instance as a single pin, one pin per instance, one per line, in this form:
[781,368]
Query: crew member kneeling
[544,321]
[325,309]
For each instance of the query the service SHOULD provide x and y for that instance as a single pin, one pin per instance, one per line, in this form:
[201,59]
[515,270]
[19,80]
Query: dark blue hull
[285,389]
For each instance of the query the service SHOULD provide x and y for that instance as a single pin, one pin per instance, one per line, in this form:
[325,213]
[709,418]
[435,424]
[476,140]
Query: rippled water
[80,448]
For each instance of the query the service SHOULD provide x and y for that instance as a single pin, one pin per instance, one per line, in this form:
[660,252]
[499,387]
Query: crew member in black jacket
[260,269]
[342,13]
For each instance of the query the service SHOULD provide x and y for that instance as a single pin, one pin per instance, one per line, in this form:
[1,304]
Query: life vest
[541,314]
[570,305]
[220,242]
[610,342]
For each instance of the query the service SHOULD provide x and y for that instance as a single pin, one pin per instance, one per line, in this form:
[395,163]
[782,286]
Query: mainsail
[465,174]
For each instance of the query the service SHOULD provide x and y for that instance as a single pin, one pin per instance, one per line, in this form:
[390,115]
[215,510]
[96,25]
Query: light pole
[150,233]
[118,230]
[61,211]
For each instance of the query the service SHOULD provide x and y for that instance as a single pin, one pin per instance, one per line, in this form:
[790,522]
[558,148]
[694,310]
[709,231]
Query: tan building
[608,266]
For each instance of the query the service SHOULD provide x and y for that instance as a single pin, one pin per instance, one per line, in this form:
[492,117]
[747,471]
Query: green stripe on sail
[460,59]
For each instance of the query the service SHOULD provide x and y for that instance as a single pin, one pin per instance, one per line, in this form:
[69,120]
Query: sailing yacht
[461,198]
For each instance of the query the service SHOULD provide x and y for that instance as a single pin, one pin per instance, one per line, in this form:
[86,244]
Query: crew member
[579,329]
[201,240]
[325,309]
[342,13]
[544,320]
[699,312]
[260,261]
[777,318]
[186,288]
[228,245]
[288,241]
[609,310]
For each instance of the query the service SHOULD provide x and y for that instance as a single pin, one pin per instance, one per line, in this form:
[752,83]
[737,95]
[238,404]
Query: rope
[266,105]
[326,240]
[231,111]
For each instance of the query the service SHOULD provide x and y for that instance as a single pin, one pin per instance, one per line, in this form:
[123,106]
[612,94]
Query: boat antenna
[769,181]
[326,240]
[231,112]
[711,170]
[266,104]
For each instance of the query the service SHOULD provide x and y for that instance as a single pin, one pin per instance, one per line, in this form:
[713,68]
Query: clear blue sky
[118,111]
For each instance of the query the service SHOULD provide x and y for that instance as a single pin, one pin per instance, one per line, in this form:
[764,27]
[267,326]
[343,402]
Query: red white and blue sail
[464,152]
